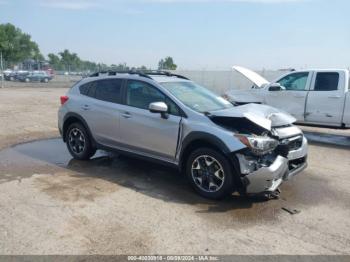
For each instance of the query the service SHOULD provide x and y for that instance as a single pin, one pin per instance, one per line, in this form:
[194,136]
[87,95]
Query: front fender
[205,138]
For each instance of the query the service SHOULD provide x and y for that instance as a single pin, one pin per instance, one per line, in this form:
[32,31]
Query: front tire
[210,173]
[79,142]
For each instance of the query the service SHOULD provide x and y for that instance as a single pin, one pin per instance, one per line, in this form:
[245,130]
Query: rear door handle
[334,96]
[86,107]
[126,115]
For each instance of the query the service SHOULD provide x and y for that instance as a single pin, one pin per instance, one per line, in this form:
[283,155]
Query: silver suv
[165,117]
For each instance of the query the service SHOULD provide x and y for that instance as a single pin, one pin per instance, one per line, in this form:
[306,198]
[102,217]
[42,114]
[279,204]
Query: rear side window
[326,81]
[108,90]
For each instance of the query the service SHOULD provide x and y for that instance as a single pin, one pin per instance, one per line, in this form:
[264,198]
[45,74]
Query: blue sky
[198,34]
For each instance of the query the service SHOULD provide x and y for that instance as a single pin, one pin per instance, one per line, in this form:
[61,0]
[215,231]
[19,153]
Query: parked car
[20,74]
[35,76]
[170,119]
[10,75]
[315,96]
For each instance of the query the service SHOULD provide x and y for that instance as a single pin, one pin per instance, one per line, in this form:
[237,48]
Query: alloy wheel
[76,140]
[207,173]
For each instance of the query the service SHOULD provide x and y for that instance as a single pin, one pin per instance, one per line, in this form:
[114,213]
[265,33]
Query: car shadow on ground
[157,181]
[153,180]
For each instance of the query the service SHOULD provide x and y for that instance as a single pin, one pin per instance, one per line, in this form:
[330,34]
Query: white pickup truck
[316,97]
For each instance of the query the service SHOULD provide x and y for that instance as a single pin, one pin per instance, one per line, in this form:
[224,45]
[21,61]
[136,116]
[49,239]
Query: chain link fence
[218,81]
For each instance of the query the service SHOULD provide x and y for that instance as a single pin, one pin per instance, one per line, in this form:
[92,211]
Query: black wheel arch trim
[197,136]
[218,143]
[82,121]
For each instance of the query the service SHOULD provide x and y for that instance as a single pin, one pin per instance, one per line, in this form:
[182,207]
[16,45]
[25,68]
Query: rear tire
[210,173]
[79,142]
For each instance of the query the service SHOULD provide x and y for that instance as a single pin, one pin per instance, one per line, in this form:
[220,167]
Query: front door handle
[126,115]
[299,96]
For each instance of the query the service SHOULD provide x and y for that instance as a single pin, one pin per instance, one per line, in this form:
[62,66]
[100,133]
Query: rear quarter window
[84,89]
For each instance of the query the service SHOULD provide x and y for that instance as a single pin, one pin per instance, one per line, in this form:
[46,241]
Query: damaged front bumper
[264,178]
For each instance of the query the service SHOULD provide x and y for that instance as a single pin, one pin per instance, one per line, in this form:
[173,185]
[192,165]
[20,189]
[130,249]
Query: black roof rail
[143,73]
[115,72]
[162,72]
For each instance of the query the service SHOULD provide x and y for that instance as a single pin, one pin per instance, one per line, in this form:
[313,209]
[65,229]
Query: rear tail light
[64,99]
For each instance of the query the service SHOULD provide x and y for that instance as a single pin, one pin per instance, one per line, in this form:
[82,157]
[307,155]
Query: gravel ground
[51,204]
[29,110]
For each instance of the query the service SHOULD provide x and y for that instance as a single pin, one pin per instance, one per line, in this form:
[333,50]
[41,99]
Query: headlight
[259,145]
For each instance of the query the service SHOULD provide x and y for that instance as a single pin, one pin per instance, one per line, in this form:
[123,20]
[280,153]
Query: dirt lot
[51,204]
[29,110]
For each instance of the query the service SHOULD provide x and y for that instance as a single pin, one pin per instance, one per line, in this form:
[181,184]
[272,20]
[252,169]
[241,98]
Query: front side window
[326,81]
[141,95]
[108,90]
[196,97]
[294,82]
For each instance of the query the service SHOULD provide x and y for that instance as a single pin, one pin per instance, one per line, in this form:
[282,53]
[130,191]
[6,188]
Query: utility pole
[2,70]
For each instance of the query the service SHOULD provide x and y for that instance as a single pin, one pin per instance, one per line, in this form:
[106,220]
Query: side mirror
[159,107]
[276,87]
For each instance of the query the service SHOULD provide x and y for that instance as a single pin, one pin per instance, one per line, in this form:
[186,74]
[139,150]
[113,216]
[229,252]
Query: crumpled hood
[261,115]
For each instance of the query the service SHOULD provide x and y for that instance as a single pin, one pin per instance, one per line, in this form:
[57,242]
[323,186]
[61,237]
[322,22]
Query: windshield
[196,97]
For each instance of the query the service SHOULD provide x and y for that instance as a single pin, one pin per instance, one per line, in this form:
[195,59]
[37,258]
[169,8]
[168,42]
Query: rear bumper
[269,178]
[60,117]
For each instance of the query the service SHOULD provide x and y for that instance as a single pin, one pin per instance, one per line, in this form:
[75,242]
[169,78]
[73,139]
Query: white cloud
[86,4]
[80,5]
[89,4]
[227,1]
[70,5]
[132,11]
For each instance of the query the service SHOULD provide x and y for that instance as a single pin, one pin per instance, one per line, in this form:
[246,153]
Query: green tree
[55,61]
[88,66]
[70,61]
[16,45]
[167,64]
[144,68]
[121,67]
